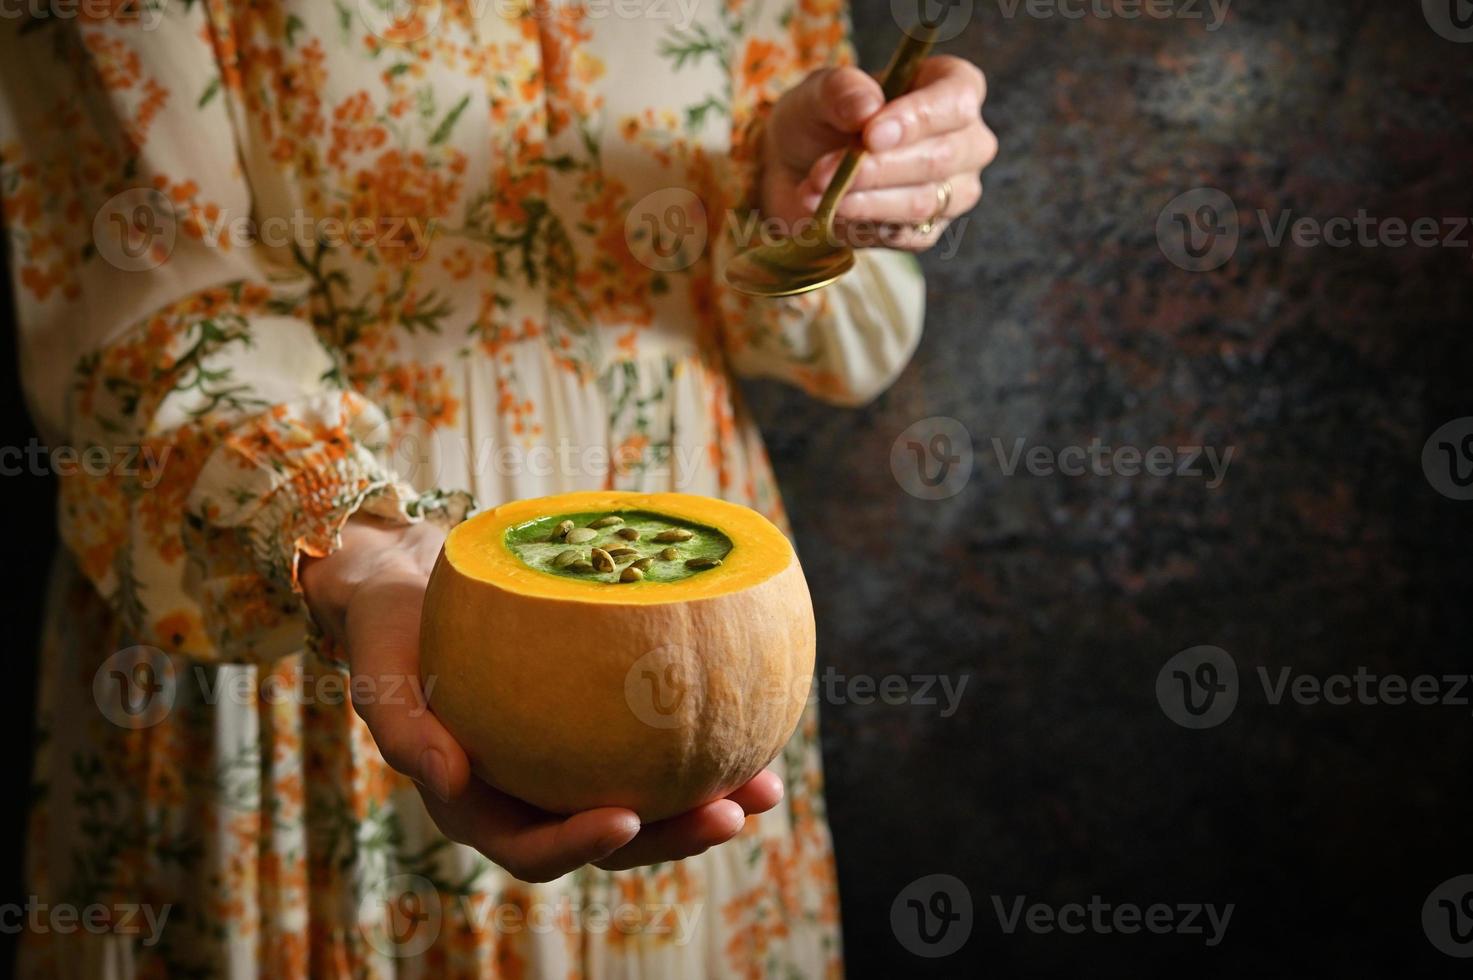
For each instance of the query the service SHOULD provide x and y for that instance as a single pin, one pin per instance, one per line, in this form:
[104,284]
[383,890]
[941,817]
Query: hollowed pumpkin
[574,688]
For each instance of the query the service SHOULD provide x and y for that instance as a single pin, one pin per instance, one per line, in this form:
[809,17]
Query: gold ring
[944,195]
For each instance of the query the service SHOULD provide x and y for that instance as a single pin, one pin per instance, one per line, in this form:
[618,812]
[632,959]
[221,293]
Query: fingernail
[436,773]
[857,108]
[611,842]
[885,135]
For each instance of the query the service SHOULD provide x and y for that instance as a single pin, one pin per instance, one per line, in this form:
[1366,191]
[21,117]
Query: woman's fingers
[382,634]
[704,827]
[533,845]
[844,98]
[906,219]
[947,95]
[529,844]
[932,137]
[911,205]
[822,114]
[679,837]
[761,793]
[933,134]
[929,161]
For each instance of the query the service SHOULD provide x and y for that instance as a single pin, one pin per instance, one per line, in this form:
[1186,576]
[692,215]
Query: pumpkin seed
[631,574]
[609,521]
[697,564]
[621,552]
[643,564]
[674,534]
[566,558]
[581,566]
[669,554]
[601,560]
[582,535]
[560,533]
[628,533]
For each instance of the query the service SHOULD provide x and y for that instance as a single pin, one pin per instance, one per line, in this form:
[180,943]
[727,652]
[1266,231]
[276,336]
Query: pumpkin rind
[654,696]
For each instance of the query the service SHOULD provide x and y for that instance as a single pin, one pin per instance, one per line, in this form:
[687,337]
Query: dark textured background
[1326,549]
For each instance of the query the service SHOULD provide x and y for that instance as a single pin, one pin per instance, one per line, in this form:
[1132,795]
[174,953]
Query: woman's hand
[926,141]
[368,595]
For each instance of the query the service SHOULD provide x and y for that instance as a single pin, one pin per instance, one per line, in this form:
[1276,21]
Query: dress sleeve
[844,344]
[202,434]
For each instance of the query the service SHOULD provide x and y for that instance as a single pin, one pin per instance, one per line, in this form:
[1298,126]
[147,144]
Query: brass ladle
[790,266]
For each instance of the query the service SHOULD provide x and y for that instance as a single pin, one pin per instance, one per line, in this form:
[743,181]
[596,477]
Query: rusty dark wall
[1064,319]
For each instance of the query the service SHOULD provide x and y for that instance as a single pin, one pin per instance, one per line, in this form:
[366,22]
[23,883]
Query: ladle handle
[895,81]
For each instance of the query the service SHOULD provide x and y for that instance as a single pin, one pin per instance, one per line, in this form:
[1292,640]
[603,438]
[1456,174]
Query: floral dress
[281,260]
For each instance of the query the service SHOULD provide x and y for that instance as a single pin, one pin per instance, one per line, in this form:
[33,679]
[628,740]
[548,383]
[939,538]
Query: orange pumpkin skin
[657,697]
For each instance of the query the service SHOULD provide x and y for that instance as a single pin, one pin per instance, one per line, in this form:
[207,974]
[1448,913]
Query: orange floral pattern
[281,261]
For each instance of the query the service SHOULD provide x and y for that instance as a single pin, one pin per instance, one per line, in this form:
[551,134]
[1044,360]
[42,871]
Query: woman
[459,192]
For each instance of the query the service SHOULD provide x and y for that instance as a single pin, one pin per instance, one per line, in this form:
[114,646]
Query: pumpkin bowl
[645,650]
